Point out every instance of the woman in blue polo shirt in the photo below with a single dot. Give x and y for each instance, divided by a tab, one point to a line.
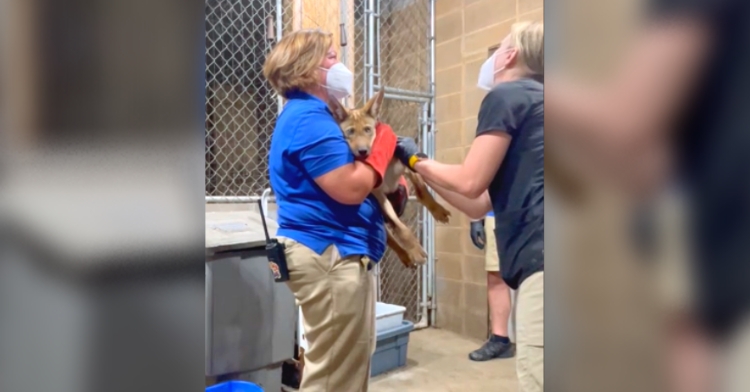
330	224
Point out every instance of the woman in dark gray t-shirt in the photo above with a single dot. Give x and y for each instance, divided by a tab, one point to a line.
504	172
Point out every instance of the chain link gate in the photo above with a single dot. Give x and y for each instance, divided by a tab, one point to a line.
388	44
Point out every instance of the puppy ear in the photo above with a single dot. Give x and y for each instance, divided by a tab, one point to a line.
373	105
339	111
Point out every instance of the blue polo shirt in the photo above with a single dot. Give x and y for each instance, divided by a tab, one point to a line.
306	144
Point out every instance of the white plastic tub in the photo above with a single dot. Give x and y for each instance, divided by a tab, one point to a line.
387	317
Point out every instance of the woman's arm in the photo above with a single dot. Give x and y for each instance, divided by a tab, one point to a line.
497	122
326	157
349	184
474	208
319	147
471	178
352	183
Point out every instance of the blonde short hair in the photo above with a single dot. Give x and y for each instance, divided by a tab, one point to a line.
293	63
528	39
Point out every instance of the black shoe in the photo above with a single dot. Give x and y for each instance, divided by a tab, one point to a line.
492	350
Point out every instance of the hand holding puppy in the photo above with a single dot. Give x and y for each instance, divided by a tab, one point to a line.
407	151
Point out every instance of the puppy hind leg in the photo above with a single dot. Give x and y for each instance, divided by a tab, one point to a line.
440	213
400	252
402	232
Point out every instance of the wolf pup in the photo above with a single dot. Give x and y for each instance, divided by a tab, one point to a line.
359	127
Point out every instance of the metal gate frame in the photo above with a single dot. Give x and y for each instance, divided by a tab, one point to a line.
425	314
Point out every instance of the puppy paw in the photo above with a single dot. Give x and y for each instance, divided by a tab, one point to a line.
440	214
417	256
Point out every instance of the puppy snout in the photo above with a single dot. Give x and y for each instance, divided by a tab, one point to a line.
363	152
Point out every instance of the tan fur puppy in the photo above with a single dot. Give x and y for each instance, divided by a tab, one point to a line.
359	130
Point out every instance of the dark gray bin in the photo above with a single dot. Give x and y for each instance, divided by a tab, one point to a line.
249	318
390	352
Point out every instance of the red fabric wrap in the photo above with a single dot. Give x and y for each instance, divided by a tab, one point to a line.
383	148
400	197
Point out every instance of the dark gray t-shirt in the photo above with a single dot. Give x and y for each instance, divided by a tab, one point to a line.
517	191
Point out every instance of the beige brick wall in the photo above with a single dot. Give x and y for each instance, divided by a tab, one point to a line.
465	30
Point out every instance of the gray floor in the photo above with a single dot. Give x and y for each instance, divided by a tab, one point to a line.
438	362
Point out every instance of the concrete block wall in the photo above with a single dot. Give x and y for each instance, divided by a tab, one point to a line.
465	30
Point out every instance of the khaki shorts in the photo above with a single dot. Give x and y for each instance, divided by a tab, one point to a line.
491	258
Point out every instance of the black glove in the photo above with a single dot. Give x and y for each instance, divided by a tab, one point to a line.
407	151
476	230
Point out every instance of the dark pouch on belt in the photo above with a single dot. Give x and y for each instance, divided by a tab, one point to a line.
275	251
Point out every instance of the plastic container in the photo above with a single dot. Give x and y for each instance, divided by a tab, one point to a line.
390	352
388	316
234	386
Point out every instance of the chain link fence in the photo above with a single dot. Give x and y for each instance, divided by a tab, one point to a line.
399	285
240	105
386	43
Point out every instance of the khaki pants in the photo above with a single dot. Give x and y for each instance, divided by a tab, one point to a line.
337	299
491	257
735	377
530	334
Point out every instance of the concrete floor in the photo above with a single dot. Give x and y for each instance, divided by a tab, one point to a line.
438	362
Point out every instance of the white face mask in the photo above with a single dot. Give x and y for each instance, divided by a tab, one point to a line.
339	81
487	72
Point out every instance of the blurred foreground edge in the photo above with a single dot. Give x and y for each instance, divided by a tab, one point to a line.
101	196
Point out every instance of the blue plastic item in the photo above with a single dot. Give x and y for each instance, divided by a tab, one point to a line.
234	386
390	352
